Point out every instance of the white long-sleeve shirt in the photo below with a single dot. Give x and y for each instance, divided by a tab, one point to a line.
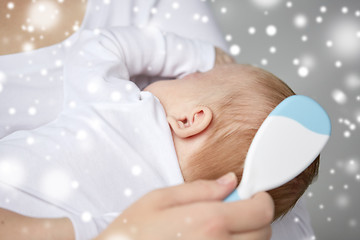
31	84
111	144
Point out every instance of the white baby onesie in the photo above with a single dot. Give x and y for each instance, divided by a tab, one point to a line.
111	144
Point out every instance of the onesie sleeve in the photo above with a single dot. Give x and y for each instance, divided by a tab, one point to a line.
104	62
148	51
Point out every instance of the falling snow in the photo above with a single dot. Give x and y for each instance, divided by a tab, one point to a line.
303	71
56	184
81	135
339	96
323	50
252	30
92	87
266	3
10	5
12	111
228	37
329	44
323	9
30	140
322	47
11	171
235	50
272	49
300	21
319	19
127	192
271	30
115	96
86	216
136	170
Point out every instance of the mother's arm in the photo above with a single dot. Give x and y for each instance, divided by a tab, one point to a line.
193	211
20	227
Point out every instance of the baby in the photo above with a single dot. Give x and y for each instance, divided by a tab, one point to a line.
214	123
112	143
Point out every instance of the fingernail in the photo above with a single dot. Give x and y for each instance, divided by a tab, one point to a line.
227	178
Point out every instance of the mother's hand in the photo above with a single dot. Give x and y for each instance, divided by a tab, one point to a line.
194	211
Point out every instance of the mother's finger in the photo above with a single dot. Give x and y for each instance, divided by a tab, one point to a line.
261	234
250	214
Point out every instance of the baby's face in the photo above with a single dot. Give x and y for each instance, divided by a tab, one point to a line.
175	95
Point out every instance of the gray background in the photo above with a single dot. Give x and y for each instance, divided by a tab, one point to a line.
333	200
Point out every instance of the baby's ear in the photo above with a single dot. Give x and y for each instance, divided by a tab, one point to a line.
191	124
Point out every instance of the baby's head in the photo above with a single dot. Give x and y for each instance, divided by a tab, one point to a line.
214	117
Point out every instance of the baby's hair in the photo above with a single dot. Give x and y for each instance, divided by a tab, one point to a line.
245	98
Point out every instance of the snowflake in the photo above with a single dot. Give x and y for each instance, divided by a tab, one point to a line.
127	192
344	10
228	37
92	87
319	19
338	64
323	9
339	96
252	30
235	50
32	111
30	140
10	5
329	43
86	216
267	3
115	96
11	171
136	170
56	184
12	111
272	49
175	5
271	30
303	71
300	21
81	135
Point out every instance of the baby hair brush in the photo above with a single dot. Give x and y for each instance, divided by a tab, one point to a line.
287	142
